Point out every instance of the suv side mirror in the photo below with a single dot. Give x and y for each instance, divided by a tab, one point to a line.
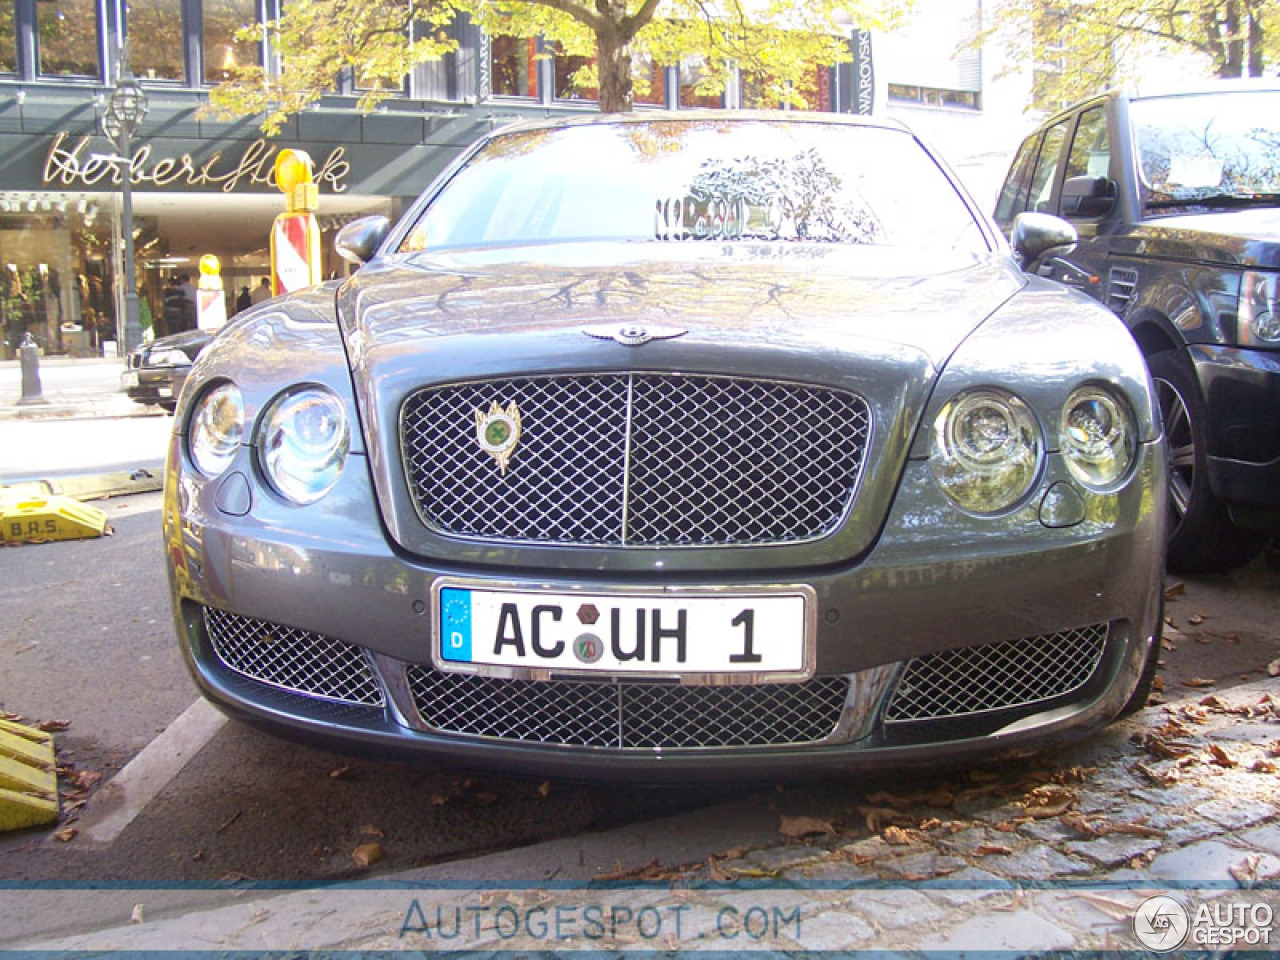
1088	197
360	239
1039	235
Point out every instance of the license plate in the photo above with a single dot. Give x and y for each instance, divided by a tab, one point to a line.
694	634
130	378
164	391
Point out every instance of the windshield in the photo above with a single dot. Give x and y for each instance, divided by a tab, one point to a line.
701	180
1211	146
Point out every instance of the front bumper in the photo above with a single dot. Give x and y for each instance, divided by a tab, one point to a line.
154	385
1242	394
936	582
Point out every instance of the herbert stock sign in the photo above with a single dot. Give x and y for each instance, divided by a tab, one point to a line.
71	163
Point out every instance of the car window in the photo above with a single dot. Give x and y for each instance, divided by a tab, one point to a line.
1040	195
1013	196
701	180
1090	148
1222	145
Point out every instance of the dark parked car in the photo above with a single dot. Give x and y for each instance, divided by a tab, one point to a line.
155	371
668	446
1177	202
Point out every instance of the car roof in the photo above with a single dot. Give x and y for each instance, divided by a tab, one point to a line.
1165	91
719	116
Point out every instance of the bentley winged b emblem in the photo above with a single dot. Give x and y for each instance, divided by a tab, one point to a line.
632	334
498	432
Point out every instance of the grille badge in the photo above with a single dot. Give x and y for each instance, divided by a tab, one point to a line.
498	432
633	335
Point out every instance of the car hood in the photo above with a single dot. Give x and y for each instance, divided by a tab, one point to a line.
189	342
763	295
1247	238
871	322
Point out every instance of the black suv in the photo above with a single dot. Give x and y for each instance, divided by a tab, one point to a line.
1177	202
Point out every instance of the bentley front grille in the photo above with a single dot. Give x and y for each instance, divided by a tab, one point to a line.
293	660
630	715
998	676
639	459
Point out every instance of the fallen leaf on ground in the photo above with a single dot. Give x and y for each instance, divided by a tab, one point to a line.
1245	872
795	828
1157	684
544	788
988	849
1175	590
339	772
1198	682
368	854
717	873
896	836
136	915
1219	756
1197	619
1273	668
1263	766
370	830
1112	908
1167	644
53	726
648	871
66	835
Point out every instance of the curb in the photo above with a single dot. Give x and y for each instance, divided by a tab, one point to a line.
147	478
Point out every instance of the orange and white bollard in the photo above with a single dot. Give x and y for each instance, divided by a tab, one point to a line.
295	235
211	304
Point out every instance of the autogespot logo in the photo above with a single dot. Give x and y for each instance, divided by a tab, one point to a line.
1161	923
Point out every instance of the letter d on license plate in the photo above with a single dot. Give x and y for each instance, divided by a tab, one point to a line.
695	634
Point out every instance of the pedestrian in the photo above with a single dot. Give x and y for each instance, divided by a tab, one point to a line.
171	314
262	291
188	301
244	301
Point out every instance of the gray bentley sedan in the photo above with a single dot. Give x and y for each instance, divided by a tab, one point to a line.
675	446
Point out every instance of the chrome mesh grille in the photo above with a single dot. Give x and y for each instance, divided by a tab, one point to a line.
638	459
633	715
997	676
291	659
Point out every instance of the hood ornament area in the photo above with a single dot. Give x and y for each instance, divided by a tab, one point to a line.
631	334
498	432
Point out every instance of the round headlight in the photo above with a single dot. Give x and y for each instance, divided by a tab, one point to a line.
986	450
303	443
1097	436
216	427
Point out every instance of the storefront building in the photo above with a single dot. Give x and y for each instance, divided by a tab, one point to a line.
202	185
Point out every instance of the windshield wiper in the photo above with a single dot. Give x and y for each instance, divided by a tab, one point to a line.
1218	200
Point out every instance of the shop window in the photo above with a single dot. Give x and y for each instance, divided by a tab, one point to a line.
692	72
514	65
935	96
816	93
155	39
649	80
68	38
222	52
570	77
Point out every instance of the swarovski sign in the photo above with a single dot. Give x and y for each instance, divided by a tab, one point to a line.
71	163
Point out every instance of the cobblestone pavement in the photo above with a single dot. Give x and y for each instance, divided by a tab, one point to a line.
1053	853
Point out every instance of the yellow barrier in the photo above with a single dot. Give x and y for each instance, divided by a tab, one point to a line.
28	777
36	519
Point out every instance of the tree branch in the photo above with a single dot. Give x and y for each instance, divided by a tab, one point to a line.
584	15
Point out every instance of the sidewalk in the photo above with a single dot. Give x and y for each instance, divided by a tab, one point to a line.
86	428
1179	802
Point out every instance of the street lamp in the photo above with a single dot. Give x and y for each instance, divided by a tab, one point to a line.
126	109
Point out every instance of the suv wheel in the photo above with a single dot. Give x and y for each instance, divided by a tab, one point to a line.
1202	538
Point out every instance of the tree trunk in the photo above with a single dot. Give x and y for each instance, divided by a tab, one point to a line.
613	67
1256	63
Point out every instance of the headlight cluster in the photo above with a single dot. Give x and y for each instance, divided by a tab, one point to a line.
167	358
1259	311
988	448
302	438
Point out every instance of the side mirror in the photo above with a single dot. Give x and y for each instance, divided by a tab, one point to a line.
360	239
1088	197
1039	235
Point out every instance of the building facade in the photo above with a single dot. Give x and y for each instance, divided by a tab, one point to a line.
202	185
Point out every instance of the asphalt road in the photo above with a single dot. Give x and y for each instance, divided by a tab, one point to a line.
88	642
